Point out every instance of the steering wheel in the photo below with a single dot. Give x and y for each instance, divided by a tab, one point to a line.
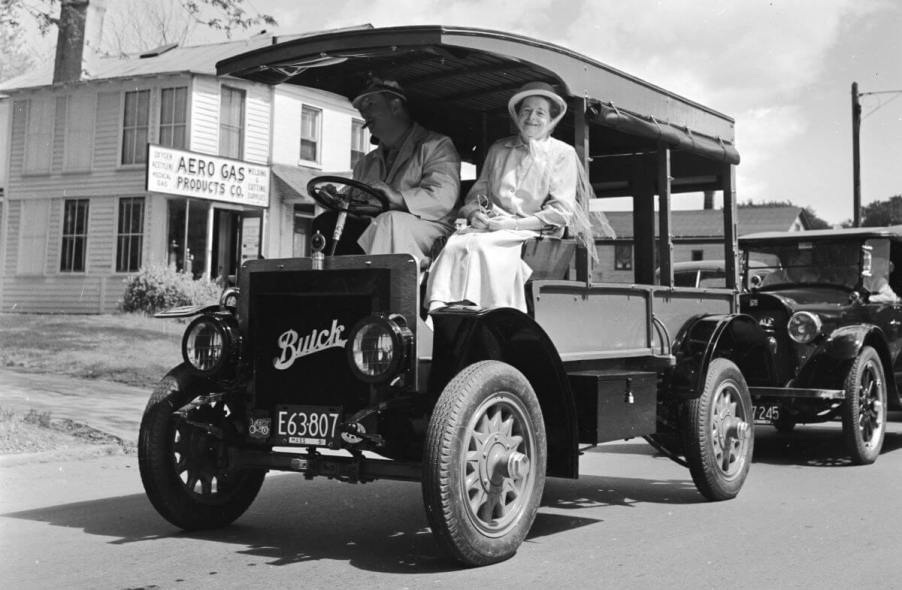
369	204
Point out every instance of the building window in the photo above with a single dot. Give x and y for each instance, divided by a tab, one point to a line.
231	123
310	134
75	235
130	237
698	255
358	141
79	143
135	126
173	116
623	257
39	136
35	216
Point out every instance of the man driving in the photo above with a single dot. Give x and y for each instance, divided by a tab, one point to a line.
417	170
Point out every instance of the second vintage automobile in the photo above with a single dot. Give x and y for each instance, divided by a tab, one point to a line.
326	367
832	316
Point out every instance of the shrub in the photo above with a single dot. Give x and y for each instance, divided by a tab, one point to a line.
155	288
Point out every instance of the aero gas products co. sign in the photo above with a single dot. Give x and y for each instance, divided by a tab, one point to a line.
189	174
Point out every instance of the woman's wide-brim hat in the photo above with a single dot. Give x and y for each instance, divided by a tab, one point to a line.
536	89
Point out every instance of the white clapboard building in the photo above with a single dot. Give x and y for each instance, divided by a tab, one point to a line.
153	159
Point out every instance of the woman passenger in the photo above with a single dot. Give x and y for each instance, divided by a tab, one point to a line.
530	184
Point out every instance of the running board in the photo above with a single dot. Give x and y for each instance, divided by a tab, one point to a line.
782	393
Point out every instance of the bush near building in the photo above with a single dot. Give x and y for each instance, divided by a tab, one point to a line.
155	288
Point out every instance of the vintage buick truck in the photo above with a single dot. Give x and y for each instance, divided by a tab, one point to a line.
326	368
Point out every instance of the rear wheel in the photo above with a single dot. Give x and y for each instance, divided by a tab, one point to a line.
484	463
864	411
720	437
184	464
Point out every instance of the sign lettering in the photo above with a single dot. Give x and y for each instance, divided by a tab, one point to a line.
179	172
293	346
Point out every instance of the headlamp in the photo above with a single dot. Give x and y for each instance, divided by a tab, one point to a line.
210	344
378	347
803	326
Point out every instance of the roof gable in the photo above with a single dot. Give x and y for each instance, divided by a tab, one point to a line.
708	223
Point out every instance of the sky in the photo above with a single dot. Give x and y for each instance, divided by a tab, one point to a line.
782	69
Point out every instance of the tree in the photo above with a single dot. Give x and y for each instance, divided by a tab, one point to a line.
813	221
219	15
882	213
14	60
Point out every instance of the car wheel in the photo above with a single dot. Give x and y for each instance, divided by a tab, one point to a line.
864	411
720	437
184	466
484	463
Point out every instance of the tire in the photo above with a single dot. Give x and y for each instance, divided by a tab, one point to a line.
719	435
484	463
183	468
864	411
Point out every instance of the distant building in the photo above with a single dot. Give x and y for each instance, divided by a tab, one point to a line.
76	216
697	235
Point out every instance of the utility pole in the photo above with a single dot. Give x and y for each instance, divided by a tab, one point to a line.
856	157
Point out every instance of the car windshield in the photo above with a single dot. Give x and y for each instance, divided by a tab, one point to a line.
816	262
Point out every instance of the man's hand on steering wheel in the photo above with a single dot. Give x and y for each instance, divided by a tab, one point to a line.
395	199
355	197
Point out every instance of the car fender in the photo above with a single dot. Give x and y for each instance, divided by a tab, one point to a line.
188	380
464	336
736	337
845	343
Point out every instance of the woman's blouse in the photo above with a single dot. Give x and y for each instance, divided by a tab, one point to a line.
523	180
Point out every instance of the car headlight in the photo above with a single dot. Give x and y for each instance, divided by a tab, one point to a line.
210	344
804	326
378	347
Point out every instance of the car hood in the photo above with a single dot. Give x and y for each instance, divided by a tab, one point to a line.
808	297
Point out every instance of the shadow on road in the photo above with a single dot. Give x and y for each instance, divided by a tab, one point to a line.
379	526
813	445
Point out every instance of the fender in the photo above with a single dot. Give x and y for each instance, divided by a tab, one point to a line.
736	337
186	311
841	348
464	336
189	380
845	343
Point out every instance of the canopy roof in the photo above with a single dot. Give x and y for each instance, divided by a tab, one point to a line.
458	81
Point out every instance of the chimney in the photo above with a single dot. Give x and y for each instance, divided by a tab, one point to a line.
709	200
78	19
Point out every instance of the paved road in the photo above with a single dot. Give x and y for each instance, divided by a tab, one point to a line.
805	519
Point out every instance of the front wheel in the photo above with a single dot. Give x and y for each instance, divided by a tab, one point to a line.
484	463
864	411
720	437
184	464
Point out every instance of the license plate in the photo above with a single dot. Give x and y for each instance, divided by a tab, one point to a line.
308	426
766	414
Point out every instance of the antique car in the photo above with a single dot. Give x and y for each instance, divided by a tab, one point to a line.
326	367
832	318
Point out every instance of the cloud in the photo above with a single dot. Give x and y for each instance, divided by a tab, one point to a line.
759	61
